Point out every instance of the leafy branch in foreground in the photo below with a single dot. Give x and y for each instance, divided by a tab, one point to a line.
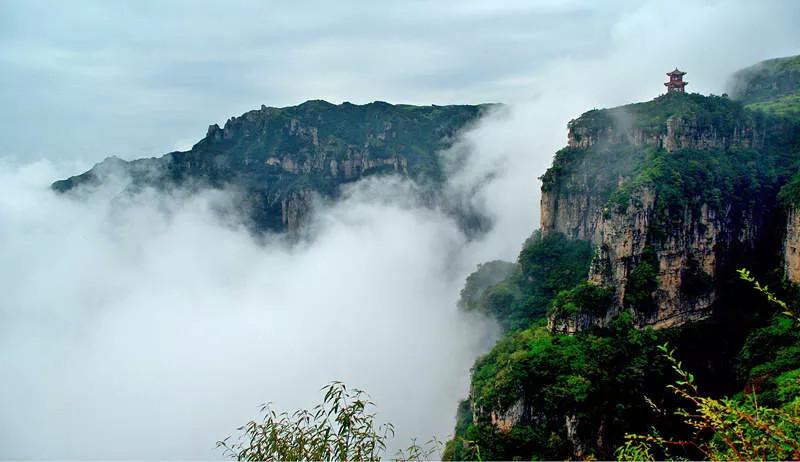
342	427
724	429
416	452
793	313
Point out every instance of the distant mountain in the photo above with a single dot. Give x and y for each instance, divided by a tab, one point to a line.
278	159
772	86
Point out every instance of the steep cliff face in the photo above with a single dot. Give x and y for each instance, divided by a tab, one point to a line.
280	159
702	245
605	147
791	247
671	193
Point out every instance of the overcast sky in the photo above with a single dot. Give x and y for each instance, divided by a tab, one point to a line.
86	79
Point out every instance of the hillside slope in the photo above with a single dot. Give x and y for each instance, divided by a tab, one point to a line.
772	86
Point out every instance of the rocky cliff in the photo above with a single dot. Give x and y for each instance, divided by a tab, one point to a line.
791	246
671	196
279	159
605	147
672	193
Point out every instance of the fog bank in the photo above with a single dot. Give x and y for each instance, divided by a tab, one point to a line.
152	330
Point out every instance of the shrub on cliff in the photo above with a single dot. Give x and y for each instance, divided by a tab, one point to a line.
546	266
761	423
595	378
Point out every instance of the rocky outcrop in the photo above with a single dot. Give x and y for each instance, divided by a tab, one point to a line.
671	121
576	214
676	133
674	195
355	164
686	261
766	82
791	246
571	424
296	207
688	248
575	428
506	420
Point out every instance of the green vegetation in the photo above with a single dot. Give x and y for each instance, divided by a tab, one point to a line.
642	282
772	86
539	395
783	106
689	179
273	156
789	194
487	275
586	297
702	111
613	381
721	429
546	266
342	427
699	111
737	155
762	423
607	162
318	129
596	378
769	361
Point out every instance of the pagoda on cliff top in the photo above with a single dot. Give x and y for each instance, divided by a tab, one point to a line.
676	82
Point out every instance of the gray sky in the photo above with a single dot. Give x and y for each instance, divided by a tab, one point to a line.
81	80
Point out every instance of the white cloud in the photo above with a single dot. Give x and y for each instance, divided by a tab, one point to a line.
151	331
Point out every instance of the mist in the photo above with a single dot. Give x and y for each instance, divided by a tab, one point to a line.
152	329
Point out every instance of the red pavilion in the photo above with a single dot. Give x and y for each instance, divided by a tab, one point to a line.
676	82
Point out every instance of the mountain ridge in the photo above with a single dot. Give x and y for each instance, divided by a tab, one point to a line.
281	158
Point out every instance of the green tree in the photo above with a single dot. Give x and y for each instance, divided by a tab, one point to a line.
342	427
730	428
546	266
721	429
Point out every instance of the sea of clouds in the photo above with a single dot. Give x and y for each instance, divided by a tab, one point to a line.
150	328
